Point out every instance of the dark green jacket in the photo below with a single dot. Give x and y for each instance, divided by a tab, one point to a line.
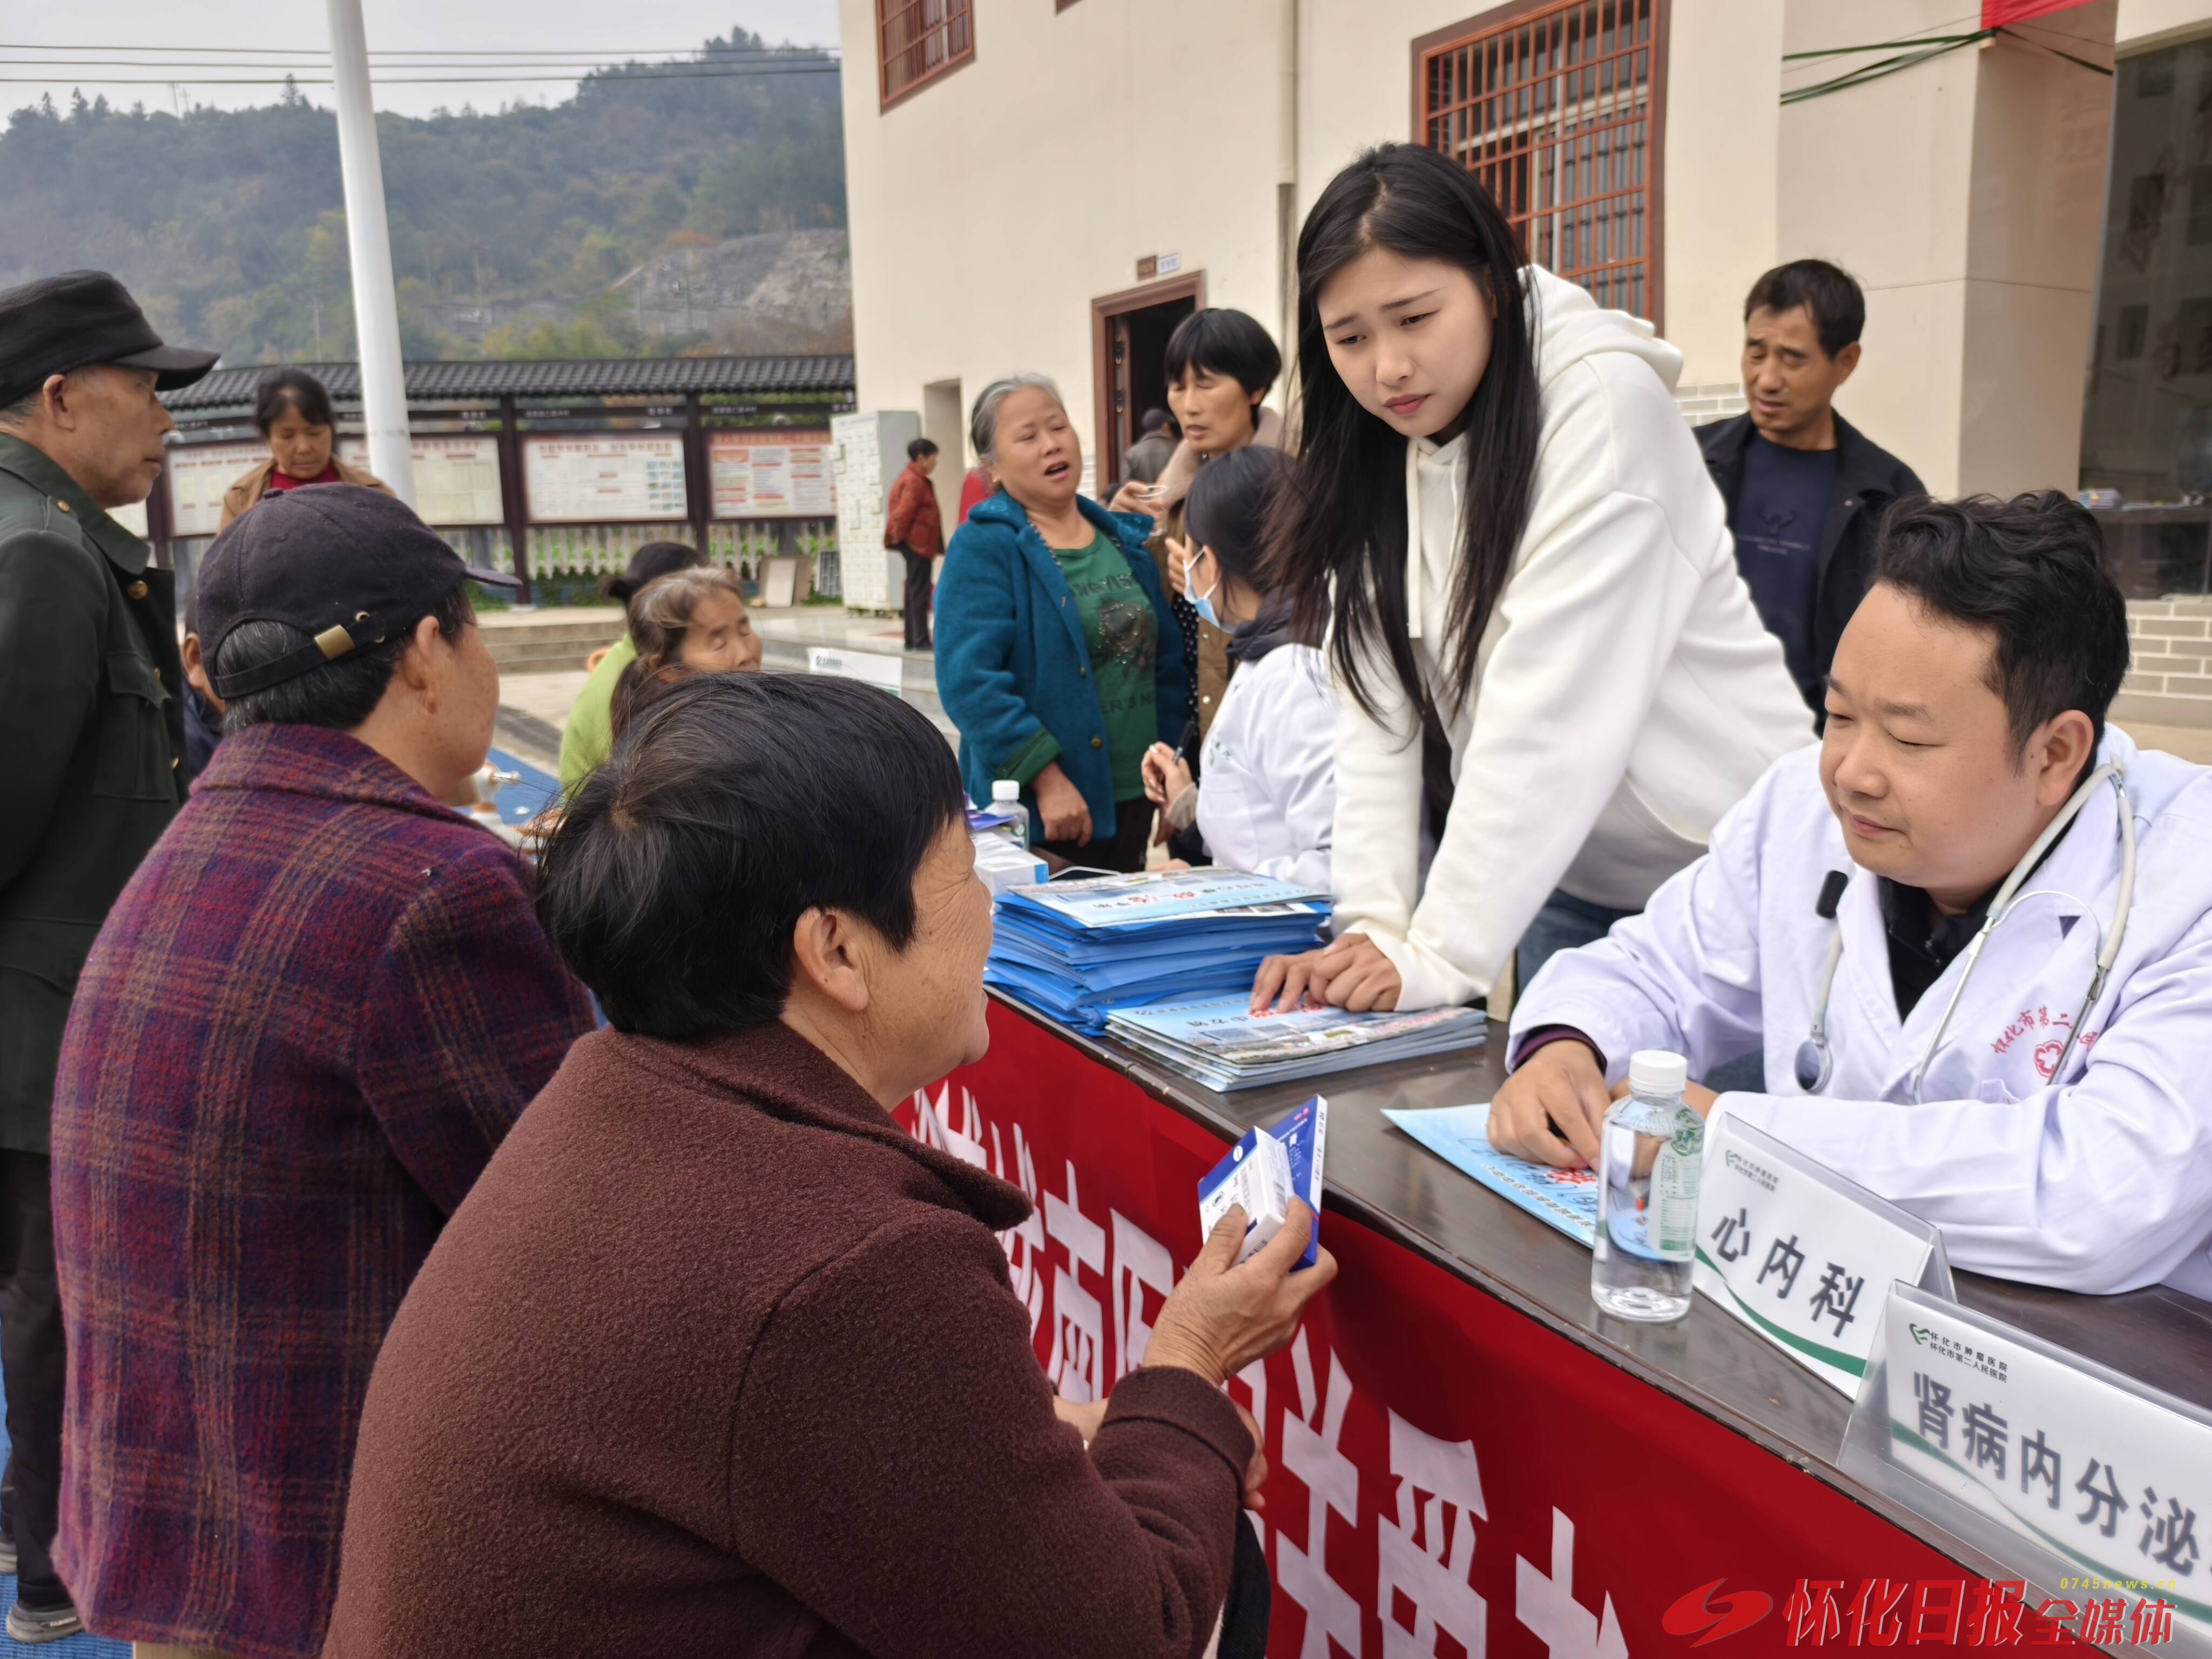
91	732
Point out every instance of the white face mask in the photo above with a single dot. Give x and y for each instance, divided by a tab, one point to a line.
1203	603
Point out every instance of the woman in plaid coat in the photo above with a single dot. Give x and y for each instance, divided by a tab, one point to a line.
314	1014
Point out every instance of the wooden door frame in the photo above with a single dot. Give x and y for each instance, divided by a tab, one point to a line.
1190	286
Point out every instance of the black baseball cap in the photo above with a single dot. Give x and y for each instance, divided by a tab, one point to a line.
349	565
73	321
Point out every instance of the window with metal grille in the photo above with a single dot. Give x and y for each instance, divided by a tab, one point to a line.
918	40
1556	108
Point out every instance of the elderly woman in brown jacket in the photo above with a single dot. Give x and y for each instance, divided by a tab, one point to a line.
292	411
716	1360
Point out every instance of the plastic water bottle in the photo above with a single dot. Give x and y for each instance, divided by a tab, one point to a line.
1649	1160
1007	797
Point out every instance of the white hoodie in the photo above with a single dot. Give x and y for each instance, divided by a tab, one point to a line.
1627	694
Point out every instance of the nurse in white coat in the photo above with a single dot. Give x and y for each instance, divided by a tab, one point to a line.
2052	1120
1268	803
1532	600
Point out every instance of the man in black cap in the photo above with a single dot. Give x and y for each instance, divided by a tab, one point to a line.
91	732
309	1020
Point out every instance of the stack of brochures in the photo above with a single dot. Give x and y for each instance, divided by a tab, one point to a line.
1078	949
1219	1042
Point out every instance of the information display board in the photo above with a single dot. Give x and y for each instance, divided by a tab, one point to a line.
590	479
864	446
456	479
771	474
200	475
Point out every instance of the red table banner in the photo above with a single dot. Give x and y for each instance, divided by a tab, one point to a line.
1448	1477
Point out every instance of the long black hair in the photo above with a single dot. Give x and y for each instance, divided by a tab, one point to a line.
1337	535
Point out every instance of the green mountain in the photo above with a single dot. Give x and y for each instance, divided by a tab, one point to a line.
229	226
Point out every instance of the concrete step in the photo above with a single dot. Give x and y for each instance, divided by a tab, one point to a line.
588	618
536	656
525	641
601	622
530	615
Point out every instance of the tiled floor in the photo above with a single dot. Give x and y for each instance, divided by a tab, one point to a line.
69	1647
545	695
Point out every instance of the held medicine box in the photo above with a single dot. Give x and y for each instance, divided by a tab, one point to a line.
1263	1172
1259	1178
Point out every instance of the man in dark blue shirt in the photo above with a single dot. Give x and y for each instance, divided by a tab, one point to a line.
1805	490
1779	511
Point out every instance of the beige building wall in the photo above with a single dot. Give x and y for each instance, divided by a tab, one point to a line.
1721	167
2146	24
1718	165
1966	194
1356	78
989	209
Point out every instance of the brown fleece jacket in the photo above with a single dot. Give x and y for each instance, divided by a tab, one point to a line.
715	1360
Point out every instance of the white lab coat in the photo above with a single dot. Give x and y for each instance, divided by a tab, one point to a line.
1268	797
2099	1180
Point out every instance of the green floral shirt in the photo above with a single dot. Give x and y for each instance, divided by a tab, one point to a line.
1124	636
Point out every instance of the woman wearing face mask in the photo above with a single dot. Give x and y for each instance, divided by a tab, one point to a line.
1270	760
692	622
292	411
1057	656
1528	583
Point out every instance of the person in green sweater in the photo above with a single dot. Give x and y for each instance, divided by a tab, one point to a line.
691	622
589	735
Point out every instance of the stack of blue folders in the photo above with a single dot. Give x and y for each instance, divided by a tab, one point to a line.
1078	950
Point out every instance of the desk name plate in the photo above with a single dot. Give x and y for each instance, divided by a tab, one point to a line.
1801	1255
2085	1483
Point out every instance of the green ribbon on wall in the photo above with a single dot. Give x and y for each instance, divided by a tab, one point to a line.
1916	52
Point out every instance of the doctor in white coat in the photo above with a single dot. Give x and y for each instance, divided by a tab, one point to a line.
2003	1021
1268	803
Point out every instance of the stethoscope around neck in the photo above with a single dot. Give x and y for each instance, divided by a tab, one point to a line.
1815	1063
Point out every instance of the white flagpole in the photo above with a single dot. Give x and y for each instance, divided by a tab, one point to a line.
368	238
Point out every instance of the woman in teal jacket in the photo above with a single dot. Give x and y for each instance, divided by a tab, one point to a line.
1057	656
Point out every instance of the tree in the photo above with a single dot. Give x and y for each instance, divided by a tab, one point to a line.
232	222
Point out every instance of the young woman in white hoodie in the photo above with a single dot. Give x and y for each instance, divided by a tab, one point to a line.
1539	648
